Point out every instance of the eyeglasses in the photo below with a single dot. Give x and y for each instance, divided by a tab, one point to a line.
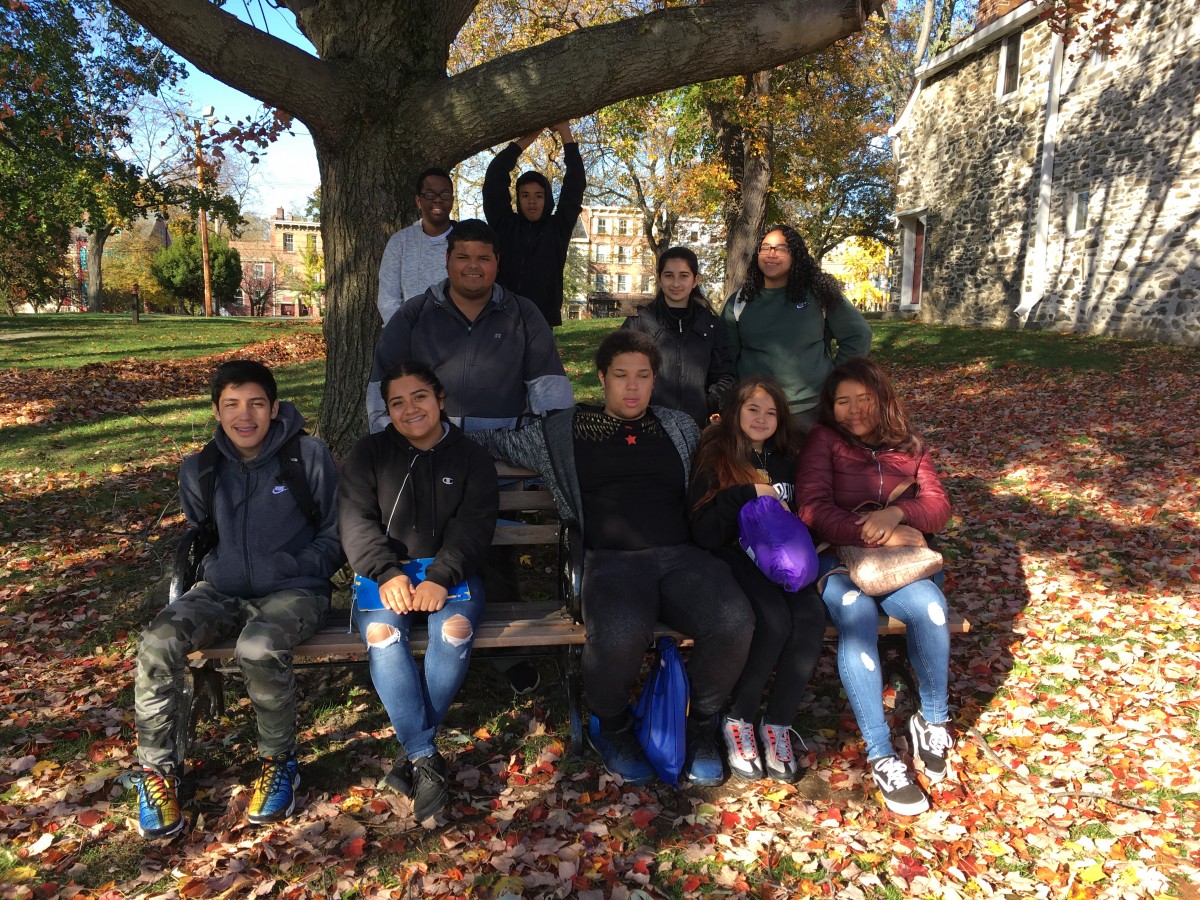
773	249
436	195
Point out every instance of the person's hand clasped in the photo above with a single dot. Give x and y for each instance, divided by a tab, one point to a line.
879	524
768	490
429	597
905	536
397	594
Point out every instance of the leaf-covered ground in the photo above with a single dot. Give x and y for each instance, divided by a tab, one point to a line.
1073	553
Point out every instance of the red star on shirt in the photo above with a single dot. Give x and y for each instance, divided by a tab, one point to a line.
631	439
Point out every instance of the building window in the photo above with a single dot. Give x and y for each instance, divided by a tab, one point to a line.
622	284
312	242
622	254
645	284
647	256
913	260
601	281
622	227
1010	65
602	253
289	243
601	225
260	270
1079	211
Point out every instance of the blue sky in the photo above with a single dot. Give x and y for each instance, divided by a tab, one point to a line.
287	173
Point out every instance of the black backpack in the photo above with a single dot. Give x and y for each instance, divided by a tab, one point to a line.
292	475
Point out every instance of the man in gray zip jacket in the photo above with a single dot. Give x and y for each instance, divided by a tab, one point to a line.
491	349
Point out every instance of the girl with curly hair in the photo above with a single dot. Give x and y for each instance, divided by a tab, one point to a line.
791	321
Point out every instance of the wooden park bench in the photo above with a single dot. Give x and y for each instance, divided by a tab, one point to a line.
549	627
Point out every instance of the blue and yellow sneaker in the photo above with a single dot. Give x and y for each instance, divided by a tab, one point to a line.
158	805
274	795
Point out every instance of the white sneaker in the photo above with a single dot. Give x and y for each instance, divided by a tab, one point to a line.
741	749
931	745
901	794
779	758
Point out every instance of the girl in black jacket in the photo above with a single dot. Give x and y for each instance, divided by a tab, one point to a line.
743	456
418	492
696	372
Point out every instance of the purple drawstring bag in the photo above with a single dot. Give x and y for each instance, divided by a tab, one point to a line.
778	542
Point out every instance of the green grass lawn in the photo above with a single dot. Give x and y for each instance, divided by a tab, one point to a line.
70	341
67	341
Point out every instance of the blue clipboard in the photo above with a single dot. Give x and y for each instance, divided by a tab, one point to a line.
365	592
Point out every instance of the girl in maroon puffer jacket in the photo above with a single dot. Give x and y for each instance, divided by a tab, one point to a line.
864	448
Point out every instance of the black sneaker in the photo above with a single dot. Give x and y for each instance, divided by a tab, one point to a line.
704	764
429	790
620	753
900	793
931	744
400	778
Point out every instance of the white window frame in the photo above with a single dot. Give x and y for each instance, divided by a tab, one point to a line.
1005	49
601	282
622	283
289	242
260	270
602	253
601	225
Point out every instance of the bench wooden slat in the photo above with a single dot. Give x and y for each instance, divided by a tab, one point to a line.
541	624
522	500
504	470
515	535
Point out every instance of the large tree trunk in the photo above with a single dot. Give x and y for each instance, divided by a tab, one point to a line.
749	155
362	205
95	268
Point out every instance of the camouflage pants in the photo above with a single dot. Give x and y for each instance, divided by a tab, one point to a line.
267	629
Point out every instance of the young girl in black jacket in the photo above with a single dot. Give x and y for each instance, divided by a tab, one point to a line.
744	456
696	372
418	490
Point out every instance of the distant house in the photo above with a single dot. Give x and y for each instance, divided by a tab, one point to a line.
620	262
1040	190
274	271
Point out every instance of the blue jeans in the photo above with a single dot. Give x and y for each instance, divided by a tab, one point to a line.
416	698
921	606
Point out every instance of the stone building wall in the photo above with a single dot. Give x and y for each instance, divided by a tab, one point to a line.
1127	136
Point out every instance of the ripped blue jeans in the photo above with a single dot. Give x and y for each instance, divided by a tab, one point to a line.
416	696
921	606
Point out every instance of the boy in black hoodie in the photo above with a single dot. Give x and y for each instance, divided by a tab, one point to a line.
266	581
535	237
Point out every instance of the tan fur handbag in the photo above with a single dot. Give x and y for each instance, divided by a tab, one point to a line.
880	570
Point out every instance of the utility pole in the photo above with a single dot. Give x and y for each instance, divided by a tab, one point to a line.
205	263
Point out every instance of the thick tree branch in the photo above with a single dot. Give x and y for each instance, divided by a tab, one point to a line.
588	69
246	58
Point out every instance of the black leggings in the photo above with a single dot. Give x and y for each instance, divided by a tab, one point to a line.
788	631
626	591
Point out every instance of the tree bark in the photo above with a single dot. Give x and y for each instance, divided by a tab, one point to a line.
750	159
95	268
381	108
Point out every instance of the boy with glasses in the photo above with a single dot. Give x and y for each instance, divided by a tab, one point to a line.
415	257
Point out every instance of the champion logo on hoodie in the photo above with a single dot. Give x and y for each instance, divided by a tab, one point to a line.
447	480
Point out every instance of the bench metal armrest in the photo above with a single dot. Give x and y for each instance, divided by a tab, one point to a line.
188	553
570	568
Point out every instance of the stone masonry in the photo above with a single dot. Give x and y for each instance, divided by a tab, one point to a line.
1122	243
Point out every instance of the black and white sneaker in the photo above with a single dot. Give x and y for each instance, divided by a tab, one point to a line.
901	794
931	745
741	749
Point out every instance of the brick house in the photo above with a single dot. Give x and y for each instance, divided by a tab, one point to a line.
274	270
1040	190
